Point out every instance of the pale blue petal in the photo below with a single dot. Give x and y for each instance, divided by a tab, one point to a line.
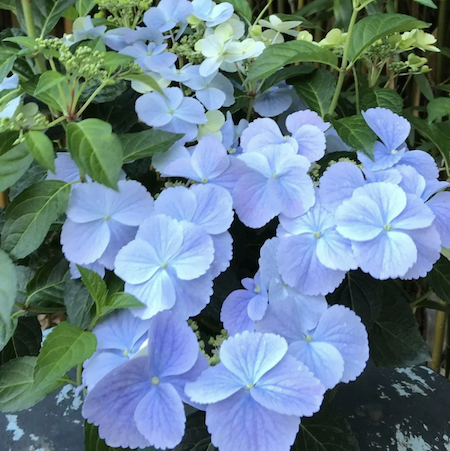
335	252
177	202
162	160
191	111
258	162
412	182
416	215
383	157
311	142
239	423
440	205
422	162
261	126
223	84
98	366
90	202
272	103
223	253
181	167
306	117
432	187
258	305
289	389
212	98
390	175
153	109
234	313
66	169
176	125
210	158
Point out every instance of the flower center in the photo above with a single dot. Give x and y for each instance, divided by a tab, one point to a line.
107	217
126	352
164	266
170	111
308	338
231	150
250	386
387	227
317	235
275	175
155	380
393	152
257	289
204	180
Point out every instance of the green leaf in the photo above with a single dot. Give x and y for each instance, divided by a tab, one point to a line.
84	7
17	388
285	74
355	132
35	173
395	339
438	108
120	301
41	147
30	215
48	80
24	41
78	303
304	23
13	164
146	143
107	94
424	86
439	279
7	140
278	55
371	28
6	67
51	97
96	286
46	288
327	430
428	3
113	60
96	150
343	10
317	90
8	292
384	98
362	294
8	5
65	347
242	7
26	340
146	79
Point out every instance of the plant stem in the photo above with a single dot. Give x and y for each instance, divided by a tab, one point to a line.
31	309
344	68
261	14
436	356
250	108
79	373
418	300
91	98
68	380
355	77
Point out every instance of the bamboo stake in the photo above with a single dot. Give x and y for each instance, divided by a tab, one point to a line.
436	356
3	200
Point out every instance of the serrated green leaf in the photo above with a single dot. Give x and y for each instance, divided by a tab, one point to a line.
394	339
51	97
120	301
41	148
8	292
96	286
78	302
438	108
384	98
46	288
17	388
65	347
96	150
371	28
30	215
47	81
146	143
317	90
439	279
34	174
279	55
355	132
13	164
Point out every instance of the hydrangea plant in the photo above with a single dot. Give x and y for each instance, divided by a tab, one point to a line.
230	216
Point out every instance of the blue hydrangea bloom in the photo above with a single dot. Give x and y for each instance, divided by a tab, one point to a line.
172	73
168	14
172	112
83	28
140	403
119	38
277	181
162	160
334	142
231	134
210	13
422	162
440	206
151	57
379	219
208	163
100	221
208	206
392	131
335	349
120	336
256	395
274	101
166	267
316	257
242	308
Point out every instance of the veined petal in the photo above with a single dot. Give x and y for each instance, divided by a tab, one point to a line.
177	202
191	111
335	252
234	313
99	365
311	142
416	215
223	253
209	159
440	205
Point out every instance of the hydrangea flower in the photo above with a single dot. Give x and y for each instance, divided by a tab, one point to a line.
242	308
440	206
166	266
213	126
256	395
140	403
335	349
276	100
208	206
280	26
209	163
211	13
151	56
168	14
392	131
231	134
316	257
379	219
100	221
276	182
307	129
83	28
120	337
172	112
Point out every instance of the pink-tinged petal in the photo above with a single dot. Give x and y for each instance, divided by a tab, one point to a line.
210	158
160	417
290	389
113	401
440	205
311	142
84	243
342	328
388	256
98	366
234	313
173	347
223	253
250	355
177	202
214	385
239	423
322	359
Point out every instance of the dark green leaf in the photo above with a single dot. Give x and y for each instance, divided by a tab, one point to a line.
24	275
25	341
47	81
17	388
395	339
7	140
439	279
384	98
96	150
65	347
343	10
8	292
196	432
242	7
278	55
24	41
51	97
107	94
96	286
35	173
317	90
13	164
30	215
146	143
41	148
6	67
428	3
78	303
327	430
424	86
438	108
355	132
8	4
120	301
371	28
285	74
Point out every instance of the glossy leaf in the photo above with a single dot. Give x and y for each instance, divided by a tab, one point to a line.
78	302
287	73
41	147
120	301
438	108
439	279
48	80
428	3
6	67
7	140
384	98
13	164
30	215
8	292
96	286
8	4
84	7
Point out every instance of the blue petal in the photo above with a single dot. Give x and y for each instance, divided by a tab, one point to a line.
416	215
412	182
383	157
177	202
98	366
234	313
223	253
422	162
311	142
440	205
209	159
272	103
